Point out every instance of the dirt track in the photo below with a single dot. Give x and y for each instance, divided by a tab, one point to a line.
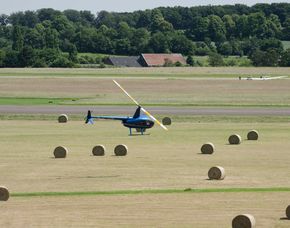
129	110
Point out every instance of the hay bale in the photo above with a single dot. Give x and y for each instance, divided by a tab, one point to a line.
235	139
244	221
4	193
121	150
166	121
288	212
216	173
99	150
207	148
62	118
60	152
253	135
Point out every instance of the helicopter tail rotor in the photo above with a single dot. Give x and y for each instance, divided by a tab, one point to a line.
89	118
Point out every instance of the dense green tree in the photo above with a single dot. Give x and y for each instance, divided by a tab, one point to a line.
34	39
257	24
180	44
83	39
123	47
190	60
105	18
230	29
202	49
216	28
173	16
274	26
4	43
158	23
51	39
230	26
236	47
265	58
17	37
242	28
271	44
286	30
62	61
248	46
11	58
199	29
140	41
225	48
159	43
144	19
2	57
72	15
72	51
87	17
64	27
27	56
48	55
102	44
17	19
124	31
285	59
215	59
47	14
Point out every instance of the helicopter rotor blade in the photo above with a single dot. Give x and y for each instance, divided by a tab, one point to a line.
126	93
146	112
153	118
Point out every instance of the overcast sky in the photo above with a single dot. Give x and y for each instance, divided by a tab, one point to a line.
9	6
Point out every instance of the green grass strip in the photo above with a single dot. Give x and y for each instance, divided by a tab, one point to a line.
152	191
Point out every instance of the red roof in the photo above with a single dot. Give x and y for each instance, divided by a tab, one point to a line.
159	59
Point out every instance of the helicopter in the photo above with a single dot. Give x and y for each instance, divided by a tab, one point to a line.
138	121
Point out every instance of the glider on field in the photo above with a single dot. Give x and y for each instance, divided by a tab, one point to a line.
137	121
262	78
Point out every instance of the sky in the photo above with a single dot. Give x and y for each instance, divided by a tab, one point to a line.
10	6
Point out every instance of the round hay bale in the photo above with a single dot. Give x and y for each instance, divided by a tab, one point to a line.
216	173
4	193
62	118
121	150
288	212
253	135
99	150
166	121
244	221
207	148
235	139
60	152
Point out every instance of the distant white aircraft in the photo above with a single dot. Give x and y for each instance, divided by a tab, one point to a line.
262	78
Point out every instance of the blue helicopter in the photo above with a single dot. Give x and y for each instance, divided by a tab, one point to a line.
137	121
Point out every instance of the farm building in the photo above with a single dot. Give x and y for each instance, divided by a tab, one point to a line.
130	61
154	60
145	60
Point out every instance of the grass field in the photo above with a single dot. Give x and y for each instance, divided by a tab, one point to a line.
161	210
155	72
162	182
168	162
148	91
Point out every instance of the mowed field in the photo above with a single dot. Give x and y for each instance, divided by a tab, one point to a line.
163	181
154	86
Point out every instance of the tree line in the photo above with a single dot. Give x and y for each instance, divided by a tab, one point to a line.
52	38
